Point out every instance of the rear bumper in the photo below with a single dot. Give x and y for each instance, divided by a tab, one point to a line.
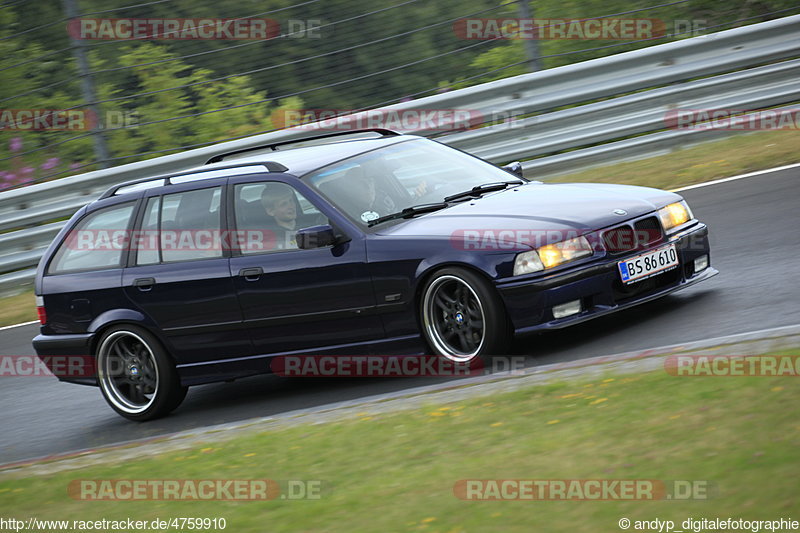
598	287
52	348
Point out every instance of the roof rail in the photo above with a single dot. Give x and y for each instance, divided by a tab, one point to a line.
174	178
273	146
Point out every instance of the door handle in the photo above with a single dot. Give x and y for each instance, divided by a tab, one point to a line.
251	274
144	284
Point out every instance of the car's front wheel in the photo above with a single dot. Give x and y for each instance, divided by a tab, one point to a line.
136	375
463	317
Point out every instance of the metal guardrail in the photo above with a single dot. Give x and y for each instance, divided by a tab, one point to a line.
748	67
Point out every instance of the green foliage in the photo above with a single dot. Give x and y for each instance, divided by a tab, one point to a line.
164	94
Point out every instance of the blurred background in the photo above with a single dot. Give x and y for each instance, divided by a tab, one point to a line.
158	96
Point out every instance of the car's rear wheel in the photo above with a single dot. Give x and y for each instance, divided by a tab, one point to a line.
136	375
463	317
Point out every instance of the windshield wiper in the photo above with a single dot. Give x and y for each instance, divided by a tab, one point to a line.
482	189
409	212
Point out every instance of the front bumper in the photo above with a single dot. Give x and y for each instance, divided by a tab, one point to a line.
529	303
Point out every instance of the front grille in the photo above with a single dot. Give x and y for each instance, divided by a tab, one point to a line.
627	238
619	240
648	230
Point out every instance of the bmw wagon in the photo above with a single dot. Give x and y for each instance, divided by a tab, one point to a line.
367	243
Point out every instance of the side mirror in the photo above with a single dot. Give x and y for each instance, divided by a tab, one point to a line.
515	168
316	237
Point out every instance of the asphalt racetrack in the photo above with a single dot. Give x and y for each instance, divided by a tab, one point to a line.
755	245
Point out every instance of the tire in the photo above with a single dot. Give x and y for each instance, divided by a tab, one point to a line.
136	375
462	317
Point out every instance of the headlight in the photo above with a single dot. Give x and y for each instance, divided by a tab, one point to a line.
674	215
527	262
561	252
552	255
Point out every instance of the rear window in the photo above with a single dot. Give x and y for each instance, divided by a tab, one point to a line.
188	225
96	242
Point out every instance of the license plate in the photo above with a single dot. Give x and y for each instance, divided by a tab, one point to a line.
648	264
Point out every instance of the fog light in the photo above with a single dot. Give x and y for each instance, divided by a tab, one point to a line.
701	263
567	309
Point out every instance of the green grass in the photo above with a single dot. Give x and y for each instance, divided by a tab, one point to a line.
17	308
705	162
396	472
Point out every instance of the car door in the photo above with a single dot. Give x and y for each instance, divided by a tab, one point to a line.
297	299
180	277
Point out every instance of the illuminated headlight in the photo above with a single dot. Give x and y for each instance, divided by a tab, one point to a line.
674	215
552	255
555	254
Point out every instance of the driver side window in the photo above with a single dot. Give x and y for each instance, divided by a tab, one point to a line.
268	215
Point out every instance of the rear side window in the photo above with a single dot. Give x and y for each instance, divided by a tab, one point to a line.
187	226
96	242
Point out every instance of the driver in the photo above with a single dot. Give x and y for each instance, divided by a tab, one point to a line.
280	204
370	196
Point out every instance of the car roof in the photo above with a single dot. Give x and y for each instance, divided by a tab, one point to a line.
302	160
296	161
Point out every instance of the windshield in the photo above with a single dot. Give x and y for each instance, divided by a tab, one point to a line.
390	179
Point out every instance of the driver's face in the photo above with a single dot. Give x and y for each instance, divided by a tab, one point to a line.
283	209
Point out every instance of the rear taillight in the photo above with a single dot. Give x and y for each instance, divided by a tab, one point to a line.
40	310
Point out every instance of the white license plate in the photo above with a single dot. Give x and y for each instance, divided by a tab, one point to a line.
648	264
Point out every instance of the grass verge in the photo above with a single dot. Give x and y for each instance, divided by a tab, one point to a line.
705	162
396	472
18	308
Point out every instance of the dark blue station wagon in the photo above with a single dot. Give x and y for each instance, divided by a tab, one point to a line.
375	243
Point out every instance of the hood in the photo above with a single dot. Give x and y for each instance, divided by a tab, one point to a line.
574	207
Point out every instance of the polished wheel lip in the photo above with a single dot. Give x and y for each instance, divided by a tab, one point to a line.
104	374
439	343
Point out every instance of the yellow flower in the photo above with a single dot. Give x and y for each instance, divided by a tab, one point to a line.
367	418
674	417
496	424
249	455
437	413
428	520
599	400
553	421
609	380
